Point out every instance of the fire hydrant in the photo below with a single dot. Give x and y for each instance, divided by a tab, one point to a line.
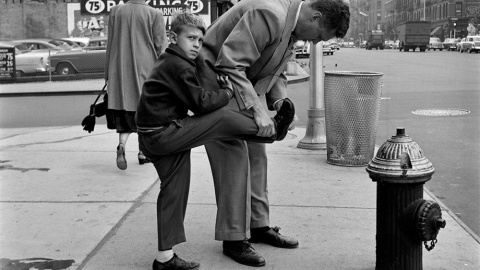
404	218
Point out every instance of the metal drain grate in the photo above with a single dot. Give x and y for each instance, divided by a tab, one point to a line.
440	112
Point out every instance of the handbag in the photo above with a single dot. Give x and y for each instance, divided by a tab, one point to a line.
97	109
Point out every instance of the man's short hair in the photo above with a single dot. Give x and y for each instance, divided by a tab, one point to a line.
336	15
184	19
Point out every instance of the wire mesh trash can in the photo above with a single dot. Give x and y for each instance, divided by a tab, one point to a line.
352	105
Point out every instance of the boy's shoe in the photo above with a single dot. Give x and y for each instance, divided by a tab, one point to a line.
284	118
175	263
272	237
243	253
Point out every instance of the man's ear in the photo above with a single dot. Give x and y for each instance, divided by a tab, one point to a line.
317	15
173	37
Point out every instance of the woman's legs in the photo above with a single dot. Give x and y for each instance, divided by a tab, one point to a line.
122	141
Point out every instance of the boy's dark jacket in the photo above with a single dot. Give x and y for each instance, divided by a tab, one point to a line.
173	88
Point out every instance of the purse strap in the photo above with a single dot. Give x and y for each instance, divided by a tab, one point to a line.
99	95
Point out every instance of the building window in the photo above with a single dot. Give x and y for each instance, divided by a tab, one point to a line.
458	9
379	16
379	4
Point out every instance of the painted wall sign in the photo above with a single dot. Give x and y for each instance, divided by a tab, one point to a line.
90	17
96	7
472	10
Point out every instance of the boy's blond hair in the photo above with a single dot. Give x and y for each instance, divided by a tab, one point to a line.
185	19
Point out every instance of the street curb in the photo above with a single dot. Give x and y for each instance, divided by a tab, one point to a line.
452	214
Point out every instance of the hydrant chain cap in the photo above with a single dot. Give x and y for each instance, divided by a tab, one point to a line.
400	160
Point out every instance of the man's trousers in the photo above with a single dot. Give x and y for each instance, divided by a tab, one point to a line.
239	170
169	151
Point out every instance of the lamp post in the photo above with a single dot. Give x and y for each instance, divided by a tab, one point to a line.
315	138
454	25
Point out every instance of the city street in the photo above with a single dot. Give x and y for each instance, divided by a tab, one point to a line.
425	80
411	81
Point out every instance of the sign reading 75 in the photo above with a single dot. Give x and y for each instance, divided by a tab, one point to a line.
95	7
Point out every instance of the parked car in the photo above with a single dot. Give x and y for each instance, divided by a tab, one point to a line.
435	44
44	44
389	44
83	61
334	43
81	41
396	44
29	63
97	43
21	47
469	44
302	49
65	42
450	44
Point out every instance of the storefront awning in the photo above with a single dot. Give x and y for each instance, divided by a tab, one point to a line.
435	30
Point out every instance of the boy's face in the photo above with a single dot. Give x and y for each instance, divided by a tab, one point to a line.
190	40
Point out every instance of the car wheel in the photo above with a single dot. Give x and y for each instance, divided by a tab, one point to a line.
65	69
18	74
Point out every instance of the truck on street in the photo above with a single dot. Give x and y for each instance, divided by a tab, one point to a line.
413	34
375	39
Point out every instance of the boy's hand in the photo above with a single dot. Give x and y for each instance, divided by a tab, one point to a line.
224	82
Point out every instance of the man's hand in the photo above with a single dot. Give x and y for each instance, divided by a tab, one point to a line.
266	128
292	126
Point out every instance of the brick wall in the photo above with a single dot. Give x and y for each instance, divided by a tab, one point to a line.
33	19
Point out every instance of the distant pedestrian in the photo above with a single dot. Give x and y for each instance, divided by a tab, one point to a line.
136	37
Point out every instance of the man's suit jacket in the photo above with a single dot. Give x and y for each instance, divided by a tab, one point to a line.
250	44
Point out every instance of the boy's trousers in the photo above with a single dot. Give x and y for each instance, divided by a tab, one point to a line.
169	150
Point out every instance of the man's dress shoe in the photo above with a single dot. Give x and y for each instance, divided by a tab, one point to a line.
272	237
284	118
243	253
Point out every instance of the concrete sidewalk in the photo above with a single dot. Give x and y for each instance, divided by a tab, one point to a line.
62	198
65	205
88	86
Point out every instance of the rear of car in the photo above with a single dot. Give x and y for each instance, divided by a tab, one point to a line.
469	44
435	44
450	44
302	49
32	63
28	63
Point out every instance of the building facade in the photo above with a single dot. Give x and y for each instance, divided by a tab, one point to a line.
20	19
448	18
